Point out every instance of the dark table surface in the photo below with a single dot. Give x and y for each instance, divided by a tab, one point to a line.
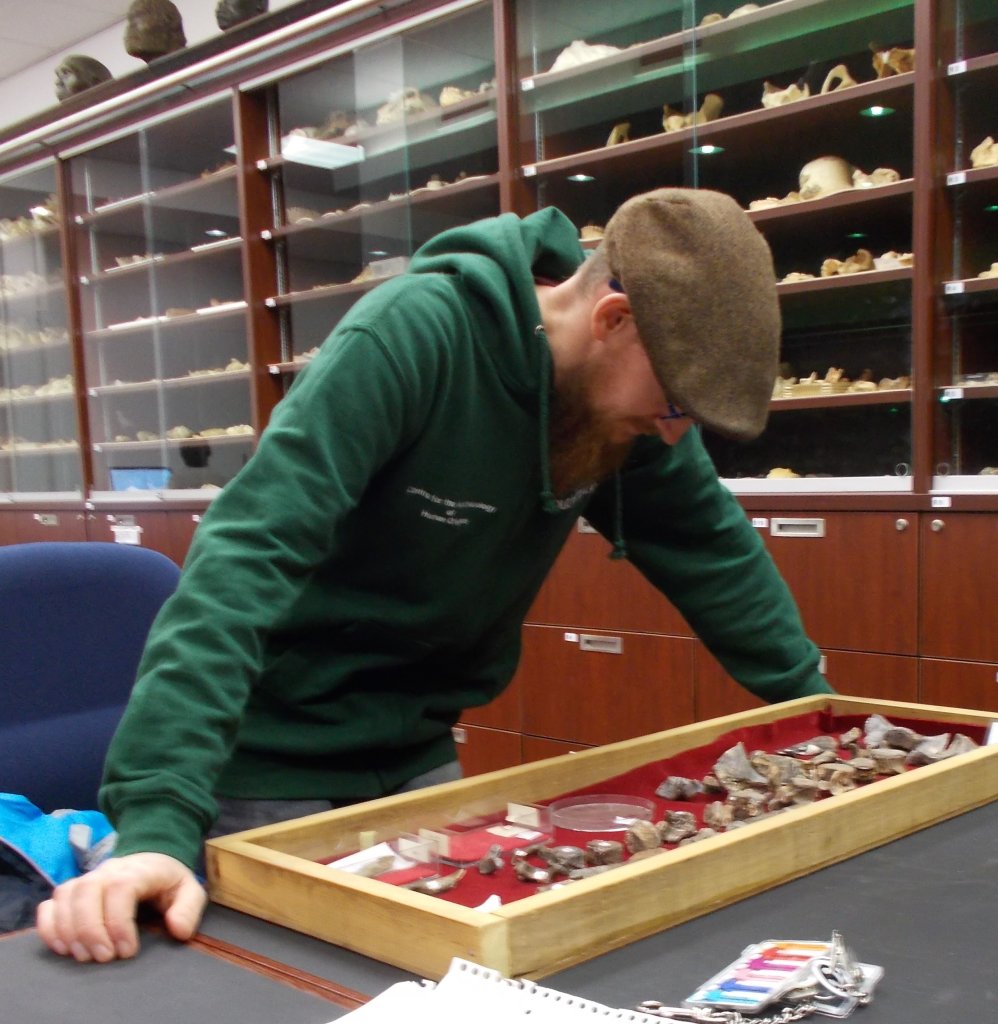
923	907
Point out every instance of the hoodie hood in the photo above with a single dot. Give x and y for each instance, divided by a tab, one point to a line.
497	260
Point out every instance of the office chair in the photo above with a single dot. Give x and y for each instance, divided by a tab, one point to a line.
73	621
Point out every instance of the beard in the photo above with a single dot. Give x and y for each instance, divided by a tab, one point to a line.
582	453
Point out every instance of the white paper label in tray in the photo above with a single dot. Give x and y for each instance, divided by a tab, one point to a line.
523	814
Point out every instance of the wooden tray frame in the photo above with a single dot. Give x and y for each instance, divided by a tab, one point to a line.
272	873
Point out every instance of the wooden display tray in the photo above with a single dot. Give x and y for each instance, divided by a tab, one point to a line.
273	872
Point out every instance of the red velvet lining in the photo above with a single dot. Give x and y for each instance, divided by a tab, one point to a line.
695	763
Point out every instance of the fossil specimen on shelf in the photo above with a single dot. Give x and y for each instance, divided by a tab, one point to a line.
77	73
153	28
233	12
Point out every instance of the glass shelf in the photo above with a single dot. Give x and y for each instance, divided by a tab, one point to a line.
162	302
39	439
415	120
965	441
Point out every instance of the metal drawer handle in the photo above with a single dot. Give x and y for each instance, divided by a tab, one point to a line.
797	527
601	644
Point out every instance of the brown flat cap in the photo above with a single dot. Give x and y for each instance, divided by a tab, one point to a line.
701	284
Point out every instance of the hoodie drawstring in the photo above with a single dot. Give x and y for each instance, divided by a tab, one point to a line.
619	544
548	501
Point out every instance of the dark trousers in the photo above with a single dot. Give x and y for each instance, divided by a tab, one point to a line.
237	815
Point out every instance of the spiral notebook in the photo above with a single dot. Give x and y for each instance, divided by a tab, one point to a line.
469	991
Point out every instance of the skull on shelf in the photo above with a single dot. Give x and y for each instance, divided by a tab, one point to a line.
153	29
234	12
77	73
825	176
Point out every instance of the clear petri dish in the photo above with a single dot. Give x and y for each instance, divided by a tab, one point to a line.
600	812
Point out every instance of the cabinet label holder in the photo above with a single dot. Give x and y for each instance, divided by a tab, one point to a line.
601	644
797	527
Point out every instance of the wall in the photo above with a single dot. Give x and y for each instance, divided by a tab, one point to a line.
32	90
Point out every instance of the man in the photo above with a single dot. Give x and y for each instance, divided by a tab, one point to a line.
365	577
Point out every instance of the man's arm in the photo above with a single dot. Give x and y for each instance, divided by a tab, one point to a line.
689	536
253	554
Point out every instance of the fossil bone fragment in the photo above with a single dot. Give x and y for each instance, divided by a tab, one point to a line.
879	176
718	815
710	110
404	102
701	834
580	52
642	835
837	78
675	787
604	851
734	770
896	60
619	133
985	154
860	261
436	883
774	96
677	825
527	872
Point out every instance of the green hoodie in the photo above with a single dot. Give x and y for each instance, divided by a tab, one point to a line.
364	578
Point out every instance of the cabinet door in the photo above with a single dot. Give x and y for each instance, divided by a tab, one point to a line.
144	529
959	586
960	684
182	528
853	575
599	687
39	427
485	750
588	589
7	528
505	712
367	155
883	676
63	524
716	692
162	307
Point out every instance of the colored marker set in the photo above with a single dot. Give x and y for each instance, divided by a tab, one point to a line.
764	973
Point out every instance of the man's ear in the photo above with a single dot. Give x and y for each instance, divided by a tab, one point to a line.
611	313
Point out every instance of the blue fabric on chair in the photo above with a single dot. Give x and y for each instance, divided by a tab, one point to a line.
73	621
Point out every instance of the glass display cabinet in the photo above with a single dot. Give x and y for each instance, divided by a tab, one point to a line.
159	251
211	247
39	439
803	111
966	366
370	153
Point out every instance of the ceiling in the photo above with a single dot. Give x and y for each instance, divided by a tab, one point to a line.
32	30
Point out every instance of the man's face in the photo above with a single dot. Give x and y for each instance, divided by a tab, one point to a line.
601	406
